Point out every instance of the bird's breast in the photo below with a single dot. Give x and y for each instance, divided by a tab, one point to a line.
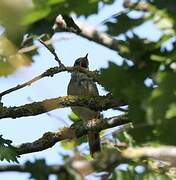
81	84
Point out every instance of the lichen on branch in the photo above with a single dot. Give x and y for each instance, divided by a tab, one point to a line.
77	130
98	103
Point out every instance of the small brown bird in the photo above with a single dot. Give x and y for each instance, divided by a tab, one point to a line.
81	84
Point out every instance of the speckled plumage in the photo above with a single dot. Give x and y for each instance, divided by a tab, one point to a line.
81	84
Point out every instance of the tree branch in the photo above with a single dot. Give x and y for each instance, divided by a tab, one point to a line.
30	48
53	169
18	168
77	130
97	103
139	6
92	34
88	32
104	162
50	73
107	160
101	38
164	153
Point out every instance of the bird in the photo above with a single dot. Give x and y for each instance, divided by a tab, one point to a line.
81	84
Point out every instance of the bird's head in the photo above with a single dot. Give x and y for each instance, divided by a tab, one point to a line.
82	62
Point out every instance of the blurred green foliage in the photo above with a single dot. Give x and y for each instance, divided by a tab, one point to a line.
146	80
151	105
131	173
7	151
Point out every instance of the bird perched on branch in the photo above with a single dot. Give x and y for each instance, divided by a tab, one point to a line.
81	84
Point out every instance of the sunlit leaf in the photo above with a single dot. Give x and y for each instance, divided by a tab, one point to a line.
68	144
131	173
52	2
162	98
7	151
35	15
10	59
73	117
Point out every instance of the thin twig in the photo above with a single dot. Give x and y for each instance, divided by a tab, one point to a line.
50	73
52	51
114	16
35	47
28	83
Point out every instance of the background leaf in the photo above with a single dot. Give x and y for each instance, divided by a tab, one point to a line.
7	151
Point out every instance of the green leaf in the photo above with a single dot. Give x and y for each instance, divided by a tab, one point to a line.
144	134
155	134
36	15
43	26
124	137
9	65
5	67
107	1
53	2
127	85
119	27
131	173
69	174
171	112
85	7
7	151
169	6
10	59
68	144
162	98
154	176
39	3
38	169
73	117
139	51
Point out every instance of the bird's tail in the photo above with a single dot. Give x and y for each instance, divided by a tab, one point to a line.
94	143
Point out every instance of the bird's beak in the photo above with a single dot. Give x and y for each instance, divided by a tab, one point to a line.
85	61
